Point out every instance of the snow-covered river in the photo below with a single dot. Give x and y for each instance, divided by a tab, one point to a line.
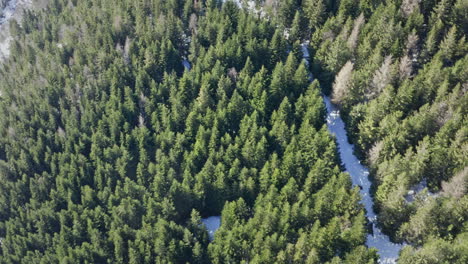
388	251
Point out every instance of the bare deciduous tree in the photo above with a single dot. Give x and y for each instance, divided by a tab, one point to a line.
71	61
444	113
141	121
457	186
117	23
406	68
408	6
193	24
328	35
61	132
464	88
272	4
11	132
119	48
126	50
232	73
382	77
353	37
412	43
341	84
142	101
374	152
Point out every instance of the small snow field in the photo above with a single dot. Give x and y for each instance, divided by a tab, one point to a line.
186	64
8	12
212	224
419	190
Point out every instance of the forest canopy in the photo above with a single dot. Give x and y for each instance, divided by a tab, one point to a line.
123	123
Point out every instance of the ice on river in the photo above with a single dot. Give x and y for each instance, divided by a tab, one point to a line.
212	224
387	250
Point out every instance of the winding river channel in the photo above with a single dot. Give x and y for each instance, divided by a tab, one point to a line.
388	251
359	174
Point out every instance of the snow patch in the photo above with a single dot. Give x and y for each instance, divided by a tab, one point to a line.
419	189
186	64
5	47
250	5
212	224
305	50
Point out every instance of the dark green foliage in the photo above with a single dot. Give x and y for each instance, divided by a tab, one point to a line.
111	152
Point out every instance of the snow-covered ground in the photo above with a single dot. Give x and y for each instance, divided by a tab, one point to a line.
5	47
250	6
13	6
212	224
5	38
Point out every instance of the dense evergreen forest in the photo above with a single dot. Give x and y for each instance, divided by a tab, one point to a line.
111	151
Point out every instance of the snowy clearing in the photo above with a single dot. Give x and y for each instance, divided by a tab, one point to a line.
212	224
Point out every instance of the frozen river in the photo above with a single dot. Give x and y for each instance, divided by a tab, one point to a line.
388	251
359	174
